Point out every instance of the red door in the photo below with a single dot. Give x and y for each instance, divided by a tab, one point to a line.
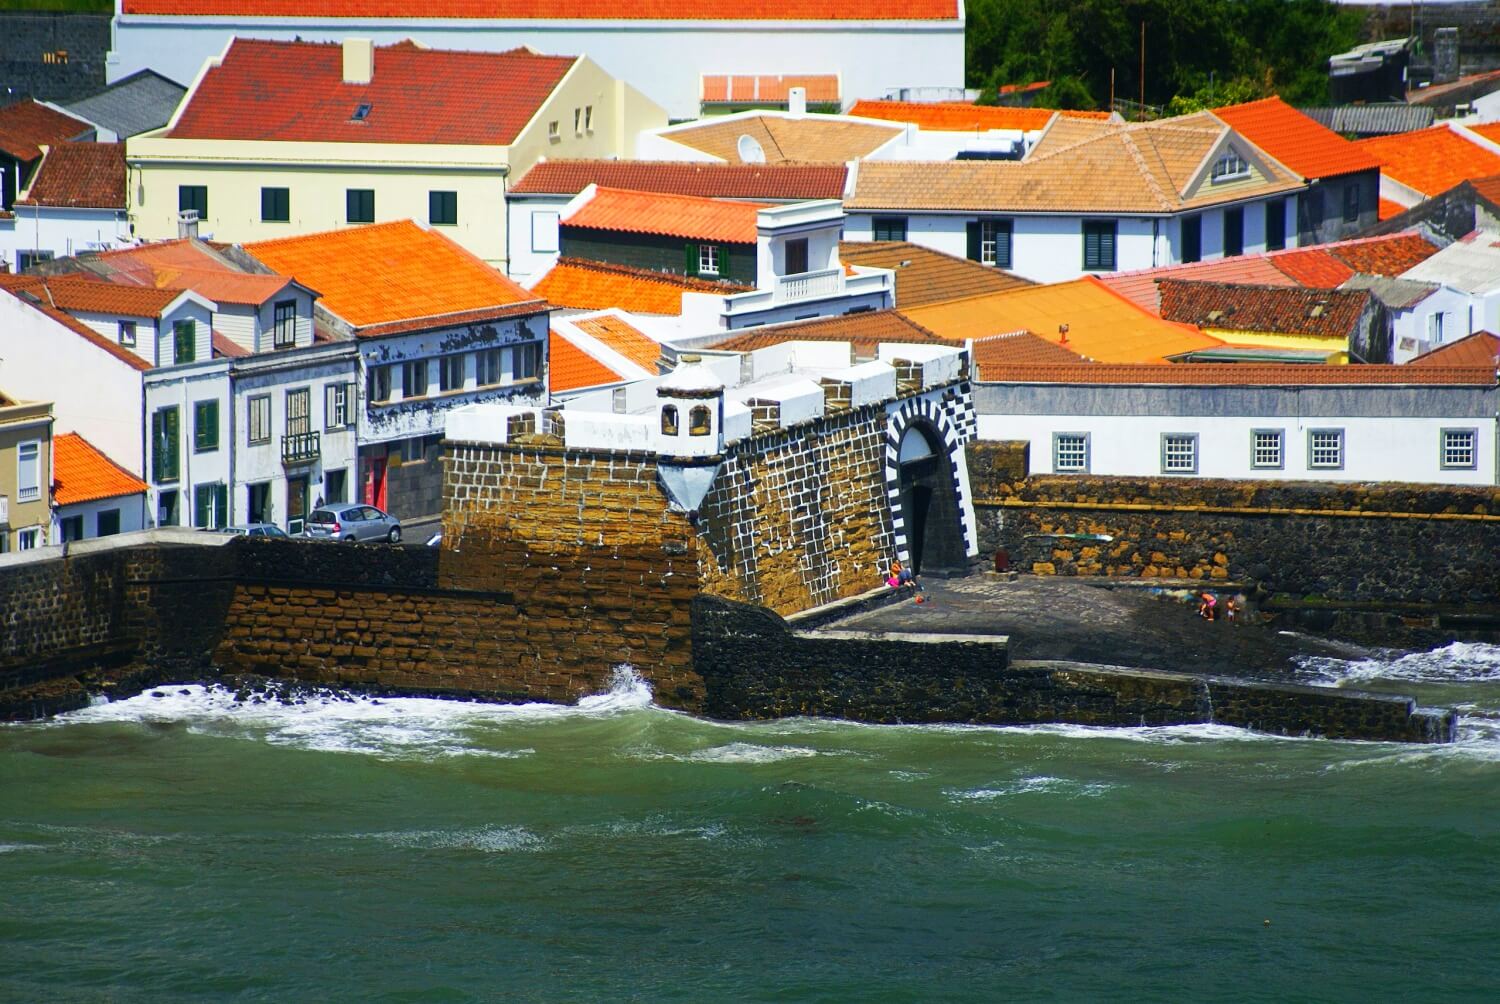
374	486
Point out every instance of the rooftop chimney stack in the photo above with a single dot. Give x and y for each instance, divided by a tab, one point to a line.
359	60
187	223
1445	56
796	100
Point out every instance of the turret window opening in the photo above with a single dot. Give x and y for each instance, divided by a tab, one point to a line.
669	420
700	421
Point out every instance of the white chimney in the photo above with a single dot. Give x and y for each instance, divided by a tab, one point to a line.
359	60
796	100
187	223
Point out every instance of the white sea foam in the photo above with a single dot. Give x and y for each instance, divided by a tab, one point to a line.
13	848
749	753
490	839
1041	784
1460	662
394	728
1166	735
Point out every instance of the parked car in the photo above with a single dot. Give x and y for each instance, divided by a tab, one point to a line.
351	522
256	530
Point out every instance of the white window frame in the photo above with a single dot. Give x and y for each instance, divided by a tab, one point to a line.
1173	445
127	333
708	259
259	420
528	353
1085	442
489	367
29	538
379	379
1435	327
1256	461
1447	449
449	368
33	491
338	405
1339	445
1229	166
284	324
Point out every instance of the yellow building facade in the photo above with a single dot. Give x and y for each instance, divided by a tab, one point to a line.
459	190
25	473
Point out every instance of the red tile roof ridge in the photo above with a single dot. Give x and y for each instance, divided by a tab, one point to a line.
820	180
1482	348
381	328
692	216
1300	144
687	282
1240	374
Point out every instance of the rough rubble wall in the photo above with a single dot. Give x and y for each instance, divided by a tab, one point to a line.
1385	542
601	572
799	517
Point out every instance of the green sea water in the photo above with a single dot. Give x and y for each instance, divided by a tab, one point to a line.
183	847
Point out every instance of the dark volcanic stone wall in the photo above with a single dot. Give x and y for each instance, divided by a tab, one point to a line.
1384	542
29	63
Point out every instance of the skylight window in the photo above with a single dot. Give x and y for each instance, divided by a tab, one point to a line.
361	113
1230	167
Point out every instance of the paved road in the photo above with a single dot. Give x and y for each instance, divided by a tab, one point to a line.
1070	619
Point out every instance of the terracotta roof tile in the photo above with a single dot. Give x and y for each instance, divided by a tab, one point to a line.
1297	141
1022	348
1314	268
1077	165
80	175
620	335
670	215
1488	188
864	331
226	347
1479	349
80	473
926	276
1489	130
959	116
788	182
1243	374
571	368
84	294
589	10
1390	209
15	285
812	139
1390	255
592	285
1431	161
26	126
394	273
295	92
185	263
1230	307
1101	324
721	89
1140	287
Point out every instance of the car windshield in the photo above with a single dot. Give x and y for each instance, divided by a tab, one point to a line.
274	531
322	516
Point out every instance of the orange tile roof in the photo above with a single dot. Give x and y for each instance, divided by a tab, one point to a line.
1022	348
185	263
80	175
1297	141
1388	255
709	180
1489	130
587	10
1432	160
811	139
927	276
959	116
620	335
1479	349
80	473
863	331
1077	166
15	285
1140	287
1243	374
593	285
84	294
394	273
415	95
822	88
1390	209
1102	325
26	126
571	368
670	215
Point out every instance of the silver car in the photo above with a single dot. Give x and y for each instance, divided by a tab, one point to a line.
255	530
351	522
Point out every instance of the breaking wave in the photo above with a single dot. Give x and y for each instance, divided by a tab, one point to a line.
1460	662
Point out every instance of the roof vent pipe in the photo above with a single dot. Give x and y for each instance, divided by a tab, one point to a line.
359	60
796	100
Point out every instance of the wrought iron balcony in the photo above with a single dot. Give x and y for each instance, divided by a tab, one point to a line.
300	448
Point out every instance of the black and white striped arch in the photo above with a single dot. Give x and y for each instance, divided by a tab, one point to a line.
951	413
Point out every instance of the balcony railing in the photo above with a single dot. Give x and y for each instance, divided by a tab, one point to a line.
809	285
300	448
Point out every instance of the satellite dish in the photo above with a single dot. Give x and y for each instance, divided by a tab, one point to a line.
750	150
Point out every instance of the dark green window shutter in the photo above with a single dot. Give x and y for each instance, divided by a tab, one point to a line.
221	498
205	426
972	230
200	505
164	445
158	444
724	255
184	341
1003	231
690	259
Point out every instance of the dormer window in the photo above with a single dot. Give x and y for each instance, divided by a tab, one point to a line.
1229	167
360	113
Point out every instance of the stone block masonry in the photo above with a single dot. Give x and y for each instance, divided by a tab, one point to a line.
1384	542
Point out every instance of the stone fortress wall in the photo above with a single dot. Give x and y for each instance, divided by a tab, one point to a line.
1358	543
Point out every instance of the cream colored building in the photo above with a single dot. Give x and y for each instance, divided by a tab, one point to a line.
278	139
25	473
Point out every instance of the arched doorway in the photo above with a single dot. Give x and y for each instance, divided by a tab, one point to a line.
928	497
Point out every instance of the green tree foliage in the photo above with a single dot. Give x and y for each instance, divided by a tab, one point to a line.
1196	50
